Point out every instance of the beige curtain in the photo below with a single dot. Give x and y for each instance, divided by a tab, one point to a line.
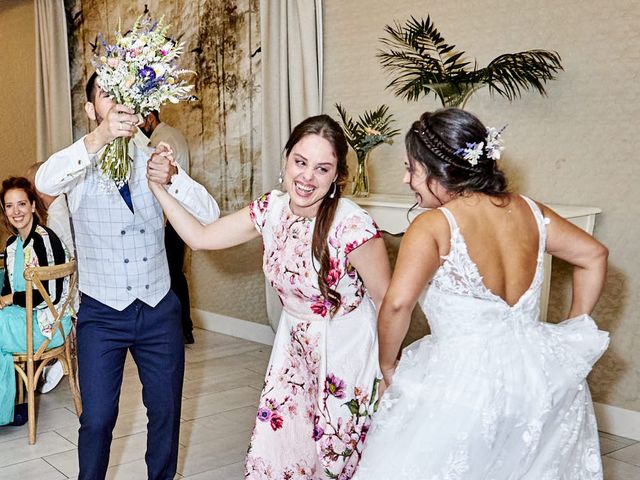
291	38
53	91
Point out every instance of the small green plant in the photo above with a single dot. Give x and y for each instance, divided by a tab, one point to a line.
422	63
372	128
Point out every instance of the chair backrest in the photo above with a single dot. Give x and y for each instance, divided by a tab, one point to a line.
35	276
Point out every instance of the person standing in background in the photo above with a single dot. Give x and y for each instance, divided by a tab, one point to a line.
158	131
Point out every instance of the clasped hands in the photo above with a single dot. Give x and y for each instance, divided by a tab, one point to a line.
121	121
161	166
6	300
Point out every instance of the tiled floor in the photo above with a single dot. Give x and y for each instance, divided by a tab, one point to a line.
223	378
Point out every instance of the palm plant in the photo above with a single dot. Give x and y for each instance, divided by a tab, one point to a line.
423	63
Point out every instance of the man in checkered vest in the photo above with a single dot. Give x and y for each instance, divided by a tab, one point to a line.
126	303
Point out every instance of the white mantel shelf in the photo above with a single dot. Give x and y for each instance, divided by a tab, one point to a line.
390	213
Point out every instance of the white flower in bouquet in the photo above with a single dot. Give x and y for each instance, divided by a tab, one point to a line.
140	72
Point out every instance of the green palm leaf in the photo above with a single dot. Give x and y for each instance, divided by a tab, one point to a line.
421	63
510	73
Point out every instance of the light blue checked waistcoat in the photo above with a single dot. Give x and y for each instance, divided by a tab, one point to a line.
121	255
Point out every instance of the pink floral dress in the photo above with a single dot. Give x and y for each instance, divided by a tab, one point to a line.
321	384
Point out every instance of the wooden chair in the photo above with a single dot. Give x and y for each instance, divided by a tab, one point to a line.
25	362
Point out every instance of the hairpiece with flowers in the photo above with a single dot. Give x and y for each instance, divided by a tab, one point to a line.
492	147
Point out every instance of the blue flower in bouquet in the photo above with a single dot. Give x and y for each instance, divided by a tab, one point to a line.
147	74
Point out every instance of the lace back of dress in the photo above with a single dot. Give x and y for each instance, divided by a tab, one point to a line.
458	274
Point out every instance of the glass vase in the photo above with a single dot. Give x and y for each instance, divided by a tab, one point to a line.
361	179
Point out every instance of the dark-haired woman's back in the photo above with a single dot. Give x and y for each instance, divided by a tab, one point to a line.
492	393
502	239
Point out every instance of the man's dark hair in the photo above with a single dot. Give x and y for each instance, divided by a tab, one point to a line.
91	87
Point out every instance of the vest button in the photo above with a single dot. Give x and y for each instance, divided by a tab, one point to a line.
129	288
126	260
144	259
142	230
122	232
147	287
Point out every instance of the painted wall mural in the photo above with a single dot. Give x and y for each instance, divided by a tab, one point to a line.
222	45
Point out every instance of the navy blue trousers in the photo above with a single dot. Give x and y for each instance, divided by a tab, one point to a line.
153	335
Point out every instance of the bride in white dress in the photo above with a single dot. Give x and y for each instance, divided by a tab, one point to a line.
493	393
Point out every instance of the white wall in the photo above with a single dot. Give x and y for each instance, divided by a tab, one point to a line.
578	146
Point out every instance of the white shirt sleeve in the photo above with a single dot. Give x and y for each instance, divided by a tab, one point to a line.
194	197
64	169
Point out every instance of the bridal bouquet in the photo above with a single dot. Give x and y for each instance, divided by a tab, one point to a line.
140	72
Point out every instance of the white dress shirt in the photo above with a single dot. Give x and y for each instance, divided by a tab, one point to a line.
121	254
65	170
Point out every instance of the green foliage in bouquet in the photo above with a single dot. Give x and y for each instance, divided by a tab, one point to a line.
422	63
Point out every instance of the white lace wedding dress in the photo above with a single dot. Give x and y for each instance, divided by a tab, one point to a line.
492	393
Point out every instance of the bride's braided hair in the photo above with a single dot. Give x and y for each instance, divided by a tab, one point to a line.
434	141
441	149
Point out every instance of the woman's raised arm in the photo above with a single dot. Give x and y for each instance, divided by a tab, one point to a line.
225	232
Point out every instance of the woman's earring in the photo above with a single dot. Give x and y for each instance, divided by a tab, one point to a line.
280	177
333	190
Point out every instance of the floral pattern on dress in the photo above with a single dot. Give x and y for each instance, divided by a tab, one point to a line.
340	440
290	268
315	408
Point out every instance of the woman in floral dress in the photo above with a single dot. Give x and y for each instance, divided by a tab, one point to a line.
325	258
